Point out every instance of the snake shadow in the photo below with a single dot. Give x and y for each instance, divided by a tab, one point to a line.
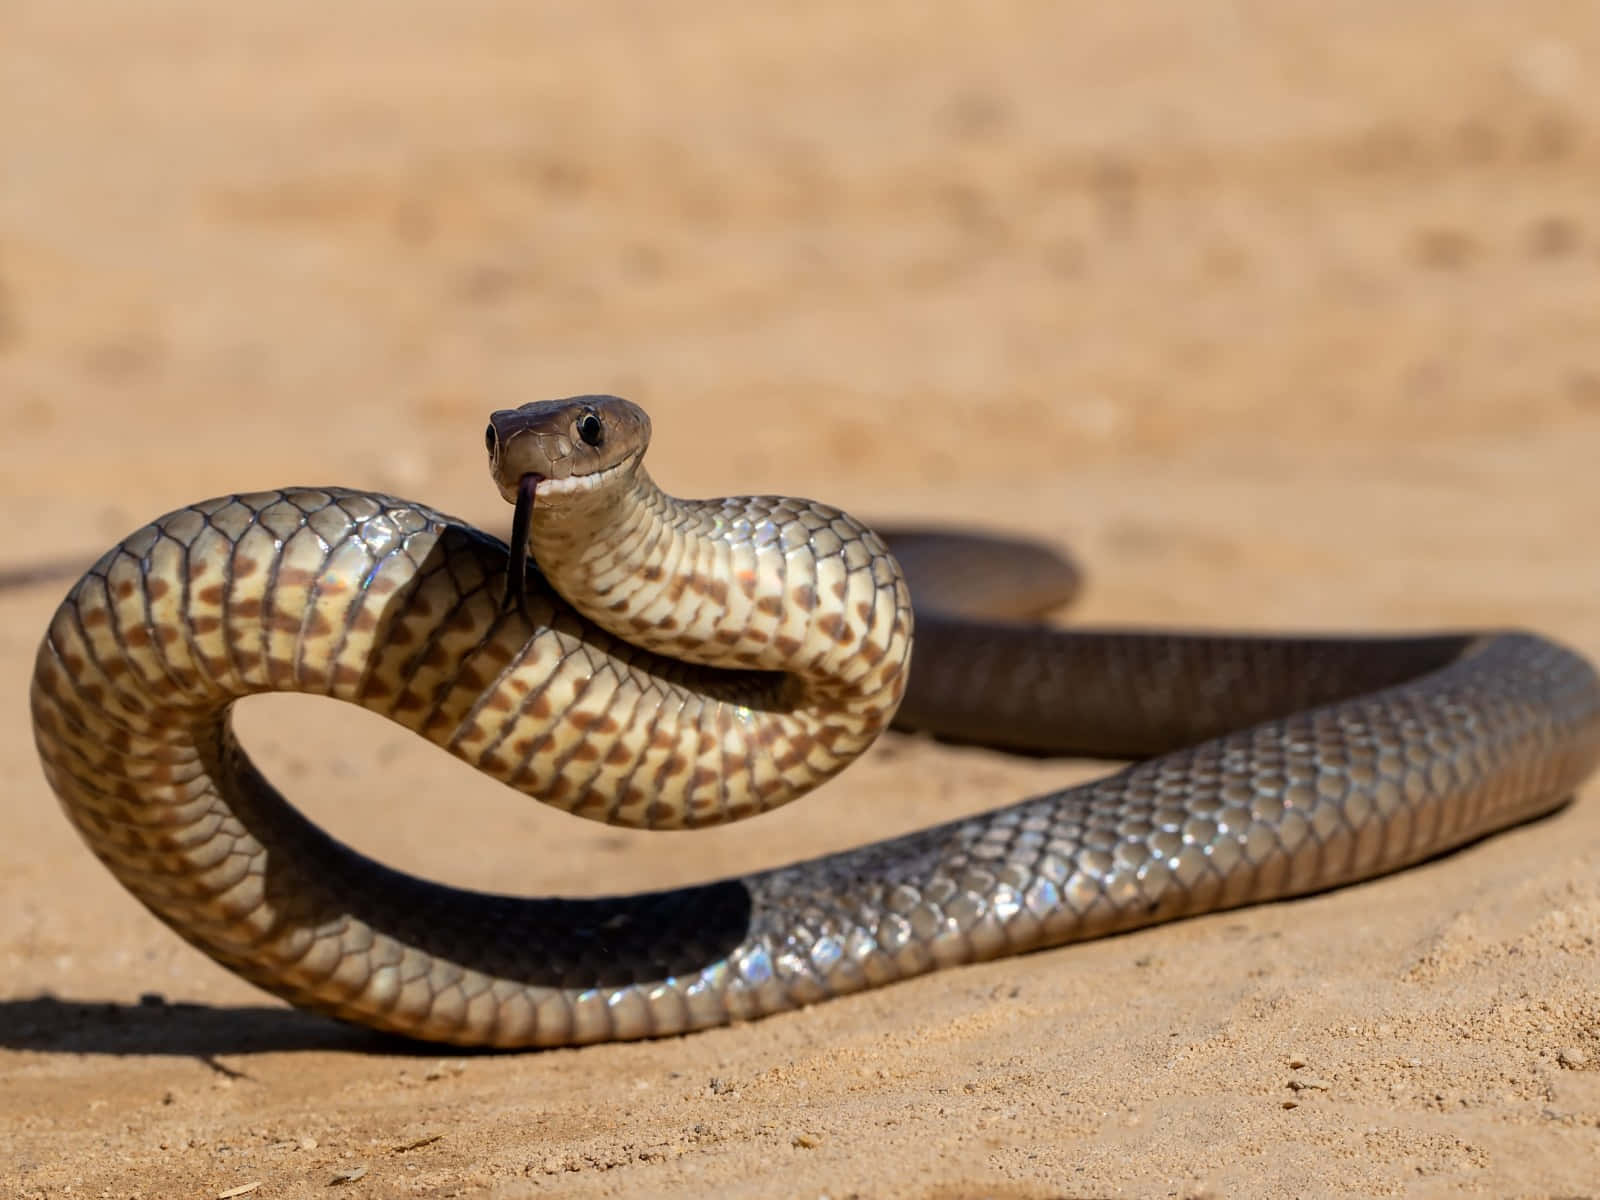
52	1025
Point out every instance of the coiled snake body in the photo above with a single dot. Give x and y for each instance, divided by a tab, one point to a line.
675	664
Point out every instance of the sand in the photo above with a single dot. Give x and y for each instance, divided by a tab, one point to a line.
1281	315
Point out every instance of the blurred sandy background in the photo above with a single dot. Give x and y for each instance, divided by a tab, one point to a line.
1283	314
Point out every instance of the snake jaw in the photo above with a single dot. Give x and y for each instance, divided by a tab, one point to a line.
516	594
578	445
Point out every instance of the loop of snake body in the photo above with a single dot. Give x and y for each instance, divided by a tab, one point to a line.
674	663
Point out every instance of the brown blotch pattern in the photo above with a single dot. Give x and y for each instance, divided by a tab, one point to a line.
395	607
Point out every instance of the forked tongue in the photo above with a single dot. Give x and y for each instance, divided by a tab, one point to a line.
517	568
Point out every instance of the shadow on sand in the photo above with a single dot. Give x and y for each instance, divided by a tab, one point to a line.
48	1024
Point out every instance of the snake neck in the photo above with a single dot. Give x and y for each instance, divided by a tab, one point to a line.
752	582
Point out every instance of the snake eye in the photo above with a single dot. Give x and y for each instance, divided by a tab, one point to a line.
590	428
489	440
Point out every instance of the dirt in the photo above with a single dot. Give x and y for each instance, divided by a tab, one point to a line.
1281	315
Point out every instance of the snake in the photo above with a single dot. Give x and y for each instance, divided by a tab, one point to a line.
662	663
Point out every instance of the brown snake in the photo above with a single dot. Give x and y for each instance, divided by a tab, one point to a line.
678	663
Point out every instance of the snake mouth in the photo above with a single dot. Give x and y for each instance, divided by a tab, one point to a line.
516	594
560	487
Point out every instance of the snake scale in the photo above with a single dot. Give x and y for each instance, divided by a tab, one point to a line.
667	664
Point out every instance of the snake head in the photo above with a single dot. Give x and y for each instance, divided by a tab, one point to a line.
561	455
574	447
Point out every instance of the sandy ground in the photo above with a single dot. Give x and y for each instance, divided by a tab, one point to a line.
1282	314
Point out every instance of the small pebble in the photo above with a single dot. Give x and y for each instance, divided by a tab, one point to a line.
1571	1056
1309	1083
807	1141
426	1140
349	1174
1296	1061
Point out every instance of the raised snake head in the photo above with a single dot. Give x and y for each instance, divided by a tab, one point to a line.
568	448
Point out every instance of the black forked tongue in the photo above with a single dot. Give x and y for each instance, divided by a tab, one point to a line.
517	567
